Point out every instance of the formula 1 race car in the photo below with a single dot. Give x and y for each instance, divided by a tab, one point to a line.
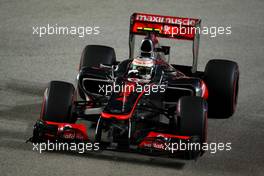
143	103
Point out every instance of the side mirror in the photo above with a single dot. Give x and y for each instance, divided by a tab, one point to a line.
164	49
110	67
105	66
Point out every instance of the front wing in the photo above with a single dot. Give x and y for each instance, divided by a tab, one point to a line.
154	142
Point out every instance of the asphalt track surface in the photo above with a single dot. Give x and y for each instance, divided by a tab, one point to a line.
28	63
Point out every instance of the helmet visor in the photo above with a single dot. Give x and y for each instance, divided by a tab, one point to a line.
142	70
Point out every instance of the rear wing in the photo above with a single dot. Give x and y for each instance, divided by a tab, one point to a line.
165	27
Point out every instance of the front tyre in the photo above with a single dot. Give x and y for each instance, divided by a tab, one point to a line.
58	102
192	112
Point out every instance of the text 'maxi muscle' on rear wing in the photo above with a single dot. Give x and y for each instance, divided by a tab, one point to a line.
166	27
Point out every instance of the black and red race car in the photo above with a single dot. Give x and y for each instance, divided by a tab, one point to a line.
143	103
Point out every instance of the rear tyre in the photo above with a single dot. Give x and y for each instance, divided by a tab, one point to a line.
58	102
222	78
192	112
93	56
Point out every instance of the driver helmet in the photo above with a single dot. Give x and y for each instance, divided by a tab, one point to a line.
141	68
147	48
